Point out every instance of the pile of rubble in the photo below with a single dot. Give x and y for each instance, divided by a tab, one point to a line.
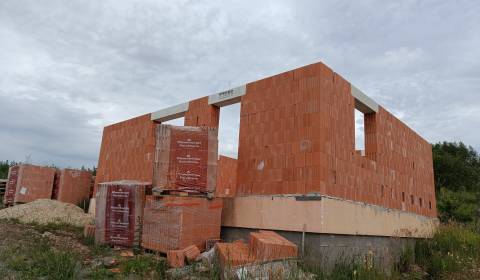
266	255
45	211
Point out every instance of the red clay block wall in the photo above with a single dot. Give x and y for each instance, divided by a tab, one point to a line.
127	151
200	113
297	136
226	177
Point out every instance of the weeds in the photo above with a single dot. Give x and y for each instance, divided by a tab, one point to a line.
39	260
143	264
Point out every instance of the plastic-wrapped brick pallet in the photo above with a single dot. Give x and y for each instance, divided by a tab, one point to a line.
27	183
176	222
72	186
11	187
186	158
119	213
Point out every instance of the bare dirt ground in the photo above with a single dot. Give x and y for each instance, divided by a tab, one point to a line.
59	251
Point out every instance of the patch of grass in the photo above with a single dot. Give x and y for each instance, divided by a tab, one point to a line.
101	273
39	260
452	249
51	227
143	265
95	249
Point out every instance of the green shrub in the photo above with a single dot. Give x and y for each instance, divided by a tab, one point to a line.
452	249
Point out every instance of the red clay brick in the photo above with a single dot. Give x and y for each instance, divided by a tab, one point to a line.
73	186
269	246
176	222
314	110
234	254
191	253
176	258
127	151
200	113
226	177
34	182
186	158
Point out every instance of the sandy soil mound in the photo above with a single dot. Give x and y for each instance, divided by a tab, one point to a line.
44	211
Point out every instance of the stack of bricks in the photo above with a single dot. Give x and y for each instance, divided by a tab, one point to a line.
119	213
72	186
127	151
185	159
27	183
11	187
264	246
297	137
268	246
176	222
234	254
140	149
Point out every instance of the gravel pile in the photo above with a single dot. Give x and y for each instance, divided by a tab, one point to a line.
45	211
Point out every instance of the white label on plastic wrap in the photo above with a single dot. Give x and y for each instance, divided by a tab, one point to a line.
261	165
188	160
23	190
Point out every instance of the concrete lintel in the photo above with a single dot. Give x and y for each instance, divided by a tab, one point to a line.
227	97
363	103
170	113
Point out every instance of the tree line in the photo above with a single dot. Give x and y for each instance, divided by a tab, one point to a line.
457	180
5	165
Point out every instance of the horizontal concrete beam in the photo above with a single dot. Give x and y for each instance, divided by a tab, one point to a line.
326	215
227	97
170	113
363	103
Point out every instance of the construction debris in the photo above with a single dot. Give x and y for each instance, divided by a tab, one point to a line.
267	256
45	211
269	246
176	258
191	253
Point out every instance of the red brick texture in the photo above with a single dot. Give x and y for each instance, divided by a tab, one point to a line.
269	246
297	136
234	254
127	151
73	186
186	158
226	177
201	114
176	222
176	258
34	182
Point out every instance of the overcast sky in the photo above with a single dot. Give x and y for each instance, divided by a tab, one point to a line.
68	68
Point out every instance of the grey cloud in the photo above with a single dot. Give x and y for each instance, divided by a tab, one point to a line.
74	66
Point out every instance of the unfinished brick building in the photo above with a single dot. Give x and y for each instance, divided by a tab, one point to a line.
297	167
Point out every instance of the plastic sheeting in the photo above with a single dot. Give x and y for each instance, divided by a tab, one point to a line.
186	158
32	183
119	213
11	187
72	186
